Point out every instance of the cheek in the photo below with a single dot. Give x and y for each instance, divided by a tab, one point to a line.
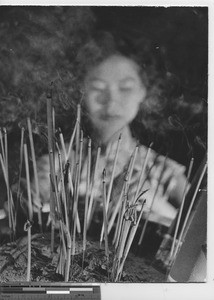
132	103
90	102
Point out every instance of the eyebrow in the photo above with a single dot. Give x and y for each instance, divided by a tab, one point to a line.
124	80
121	80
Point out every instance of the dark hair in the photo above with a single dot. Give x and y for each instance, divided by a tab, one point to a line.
152	69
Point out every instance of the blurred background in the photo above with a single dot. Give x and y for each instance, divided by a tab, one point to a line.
39	45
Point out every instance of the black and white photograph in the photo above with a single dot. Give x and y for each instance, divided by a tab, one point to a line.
103	144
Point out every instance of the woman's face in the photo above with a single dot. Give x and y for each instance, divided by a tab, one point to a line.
113	93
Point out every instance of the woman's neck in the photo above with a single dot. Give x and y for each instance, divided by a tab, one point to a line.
104	137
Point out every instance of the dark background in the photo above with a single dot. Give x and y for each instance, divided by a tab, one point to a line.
181	33
38	46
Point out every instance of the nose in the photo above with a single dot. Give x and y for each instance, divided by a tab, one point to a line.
109	99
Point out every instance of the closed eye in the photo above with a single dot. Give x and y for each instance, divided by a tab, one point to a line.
126	89
127	85
97	85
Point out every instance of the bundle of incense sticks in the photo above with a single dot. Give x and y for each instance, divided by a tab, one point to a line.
172	254
187	217
65	175
58	192
171	243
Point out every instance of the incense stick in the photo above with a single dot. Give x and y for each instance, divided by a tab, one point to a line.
153	199
105	216
52	169
111	182
2	145
121	214
89	217
87	197
8	193
77	194
38	201
6	150
78	132
189	211
126	187
115	212
30	207
30	212
71	141
129	242
27	227
63	188
140	184
181	207
21	160
62	142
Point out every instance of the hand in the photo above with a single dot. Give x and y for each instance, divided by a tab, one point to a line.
166	172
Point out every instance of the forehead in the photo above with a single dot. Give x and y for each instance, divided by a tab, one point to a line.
115	67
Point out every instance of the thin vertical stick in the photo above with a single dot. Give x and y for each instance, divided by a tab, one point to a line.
30	212
53	133
79	176
78	131
87	197
121	214
6	149
71	141
77	195
189	211
123	236
50	134
115	212
126	183
28	229
62	142
68	259
130	240
52	214
92	188
52	172
105	216
139	186
111	182
10	202
132	165
52	168
182	205
63	188
2	145
68	170
30	207
113	172
66	226
8	191
38	201
21	159
153	199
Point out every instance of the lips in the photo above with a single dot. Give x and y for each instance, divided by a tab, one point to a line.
106	117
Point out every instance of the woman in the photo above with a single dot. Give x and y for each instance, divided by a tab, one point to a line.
122	82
